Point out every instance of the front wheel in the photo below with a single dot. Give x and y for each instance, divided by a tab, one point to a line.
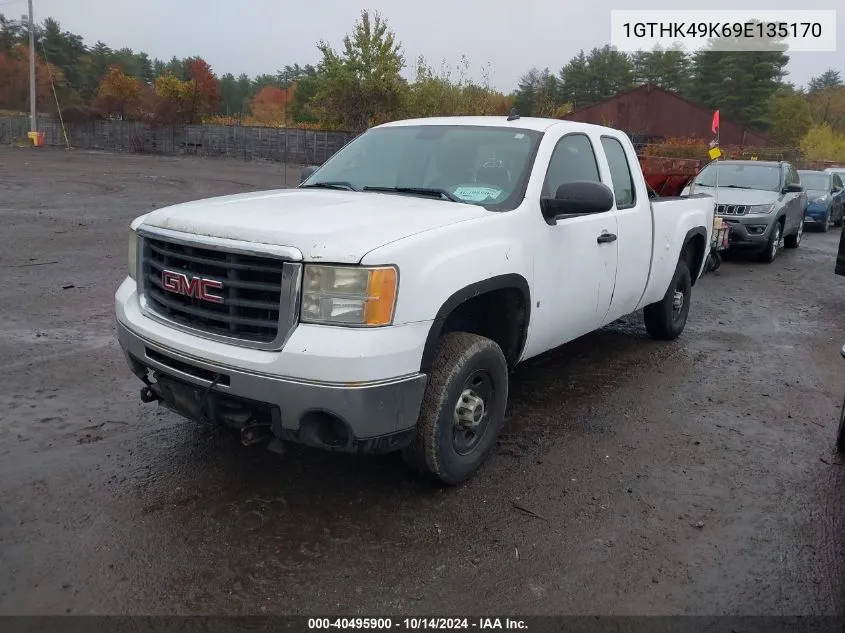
826	223
770	253
794	241
666	319
463	408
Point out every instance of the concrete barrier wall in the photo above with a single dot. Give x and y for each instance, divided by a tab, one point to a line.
292	146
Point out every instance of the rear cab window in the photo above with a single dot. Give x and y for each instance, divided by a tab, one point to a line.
620	173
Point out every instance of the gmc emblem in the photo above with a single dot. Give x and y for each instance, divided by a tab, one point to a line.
197	287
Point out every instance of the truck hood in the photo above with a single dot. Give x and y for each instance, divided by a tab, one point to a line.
334	226
726	195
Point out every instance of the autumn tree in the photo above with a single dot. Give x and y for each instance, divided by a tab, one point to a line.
270	106
119	95
790	118
203	89
361	85
828	107
14	81
823	143
172	100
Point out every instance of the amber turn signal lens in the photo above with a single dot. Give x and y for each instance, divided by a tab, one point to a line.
381	296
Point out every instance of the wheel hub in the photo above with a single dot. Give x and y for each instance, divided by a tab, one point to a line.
469	411
678	300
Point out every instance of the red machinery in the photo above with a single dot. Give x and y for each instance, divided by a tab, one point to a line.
668	176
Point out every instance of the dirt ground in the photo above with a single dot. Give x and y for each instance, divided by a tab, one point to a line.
695	477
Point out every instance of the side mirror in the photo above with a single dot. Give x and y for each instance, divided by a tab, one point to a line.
836	189
793	189
306	172
574	199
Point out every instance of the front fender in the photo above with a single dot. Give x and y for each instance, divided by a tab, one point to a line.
435	265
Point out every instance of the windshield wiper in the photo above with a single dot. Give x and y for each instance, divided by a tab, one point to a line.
734	187
330	185
420	191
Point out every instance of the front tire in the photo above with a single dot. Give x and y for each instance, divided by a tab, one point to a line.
666	319
463	408
826	224
794	241
772	249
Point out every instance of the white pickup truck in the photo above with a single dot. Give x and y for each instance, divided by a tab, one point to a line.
380	305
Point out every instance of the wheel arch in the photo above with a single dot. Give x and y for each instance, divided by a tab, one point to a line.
511	283
694	251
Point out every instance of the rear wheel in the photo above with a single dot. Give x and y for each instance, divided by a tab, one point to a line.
666	319
463	408
794	241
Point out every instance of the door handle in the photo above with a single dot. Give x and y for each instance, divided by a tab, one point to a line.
606	237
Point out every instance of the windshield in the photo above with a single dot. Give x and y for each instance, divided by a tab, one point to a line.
742	175
487	166
815	180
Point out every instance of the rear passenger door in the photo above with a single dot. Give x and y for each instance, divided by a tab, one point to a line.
633	217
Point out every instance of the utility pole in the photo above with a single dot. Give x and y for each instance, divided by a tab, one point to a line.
32	127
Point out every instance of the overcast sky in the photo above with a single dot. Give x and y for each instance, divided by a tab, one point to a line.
261	36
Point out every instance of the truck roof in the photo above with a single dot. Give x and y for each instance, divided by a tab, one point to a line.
526	123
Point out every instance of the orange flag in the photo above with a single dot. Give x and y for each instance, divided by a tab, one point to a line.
715	125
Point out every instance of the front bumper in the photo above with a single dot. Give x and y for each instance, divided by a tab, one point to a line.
815	215
377	416
750	231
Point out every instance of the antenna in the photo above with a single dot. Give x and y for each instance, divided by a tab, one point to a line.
514	115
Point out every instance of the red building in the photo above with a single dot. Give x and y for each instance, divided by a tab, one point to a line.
649	113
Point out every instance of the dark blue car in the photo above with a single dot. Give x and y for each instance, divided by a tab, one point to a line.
826	199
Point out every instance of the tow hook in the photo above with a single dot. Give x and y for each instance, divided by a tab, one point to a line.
256	433
148	395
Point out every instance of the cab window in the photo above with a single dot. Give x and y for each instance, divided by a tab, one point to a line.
573	159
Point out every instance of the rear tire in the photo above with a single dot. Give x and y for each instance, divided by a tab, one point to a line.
666	319
463	408
794	241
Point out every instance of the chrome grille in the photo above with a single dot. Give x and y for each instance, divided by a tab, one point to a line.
732	209
254	297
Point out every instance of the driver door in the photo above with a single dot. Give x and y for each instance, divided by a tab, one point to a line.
581	252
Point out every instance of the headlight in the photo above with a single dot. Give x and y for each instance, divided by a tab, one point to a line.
349	295
133	254
761	208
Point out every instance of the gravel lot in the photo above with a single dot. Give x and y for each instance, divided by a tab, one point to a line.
696	477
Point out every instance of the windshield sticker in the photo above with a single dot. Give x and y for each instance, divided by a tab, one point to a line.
477	194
